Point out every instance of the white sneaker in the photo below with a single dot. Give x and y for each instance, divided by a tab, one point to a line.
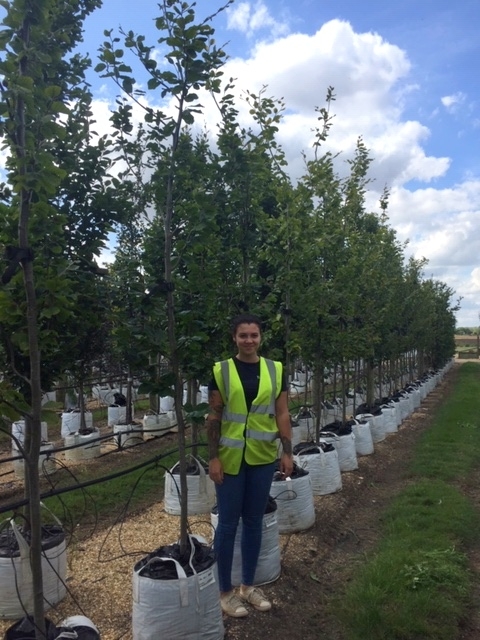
255	597
233	606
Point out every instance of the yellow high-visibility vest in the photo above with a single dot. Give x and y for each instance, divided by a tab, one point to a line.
250	433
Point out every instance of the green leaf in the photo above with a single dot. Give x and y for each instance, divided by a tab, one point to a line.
188	117
127	85
153	83
52	91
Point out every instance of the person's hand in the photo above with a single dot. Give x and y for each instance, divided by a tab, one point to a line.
215	470
286	464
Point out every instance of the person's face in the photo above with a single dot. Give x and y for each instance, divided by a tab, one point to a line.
247	338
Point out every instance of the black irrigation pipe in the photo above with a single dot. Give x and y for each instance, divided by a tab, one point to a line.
88	483
108	436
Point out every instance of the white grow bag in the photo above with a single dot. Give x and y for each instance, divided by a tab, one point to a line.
395	402
155	424
201	490
363	437
117	414
18	432
345	446
183	608
416	396
71	422
294	498
406	404
377	425
390	418
89	446
16	575
269	562
167	403
323	468
127	435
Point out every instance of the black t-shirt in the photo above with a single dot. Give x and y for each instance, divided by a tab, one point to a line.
249	373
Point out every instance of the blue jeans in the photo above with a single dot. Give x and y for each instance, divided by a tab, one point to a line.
244	495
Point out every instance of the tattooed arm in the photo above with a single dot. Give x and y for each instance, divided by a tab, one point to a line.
213	424
284	425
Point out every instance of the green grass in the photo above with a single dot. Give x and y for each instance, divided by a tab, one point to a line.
109	500
112	499
452	448
417	583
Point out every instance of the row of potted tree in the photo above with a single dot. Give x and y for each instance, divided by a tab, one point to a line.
207	226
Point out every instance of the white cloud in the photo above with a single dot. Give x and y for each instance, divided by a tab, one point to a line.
453	102
371	81
248	18
443	225
474	284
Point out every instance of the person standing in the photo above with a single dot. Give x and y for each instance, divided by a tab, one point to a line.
248	412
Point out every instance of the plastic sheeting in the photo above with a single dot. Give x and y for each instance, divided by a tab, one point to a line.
183	606
24	629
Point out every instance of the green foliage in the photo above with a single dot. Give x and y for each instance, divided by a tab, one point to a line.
56	177
195	414
133	491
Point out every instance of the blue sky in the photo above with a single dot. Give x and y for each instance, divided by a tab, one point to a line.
406	79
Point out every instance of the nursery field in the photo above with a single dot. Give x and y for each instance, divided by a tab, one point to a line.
317	565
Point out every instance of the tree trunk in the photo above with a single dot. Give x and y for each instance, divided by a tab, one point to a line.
171	332
128	410
318	391
32	447
32	421
370	371
81	406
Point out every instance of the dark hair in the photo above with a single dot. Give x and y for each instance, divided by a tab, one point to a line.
244	318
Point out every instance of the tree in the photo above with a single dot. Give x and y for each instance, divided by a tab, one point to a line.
193	62
37	85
